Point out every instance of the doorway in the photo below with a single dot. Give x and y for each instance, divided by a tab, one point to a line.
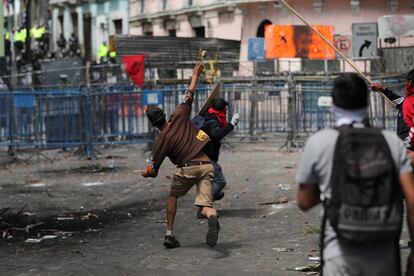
87	36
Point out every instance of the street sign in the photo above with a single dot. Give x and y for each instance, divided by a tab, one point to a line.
256	48
344	44
293	41
152	97
325	101
396	26
364	40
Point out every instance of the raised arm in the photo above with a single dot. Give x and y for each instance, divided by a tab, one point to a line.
396	99
198	68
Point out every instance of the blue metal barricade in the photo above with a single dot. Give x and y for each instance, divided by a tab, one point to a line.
102	114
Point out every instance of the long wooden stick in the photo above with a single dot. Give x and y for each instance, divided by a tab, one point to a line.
332	46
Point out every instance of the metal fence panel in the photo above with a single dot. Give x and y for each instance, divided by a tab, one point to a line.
101	114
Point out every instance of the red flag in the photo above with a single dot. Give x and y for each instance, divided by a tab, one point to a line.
134	66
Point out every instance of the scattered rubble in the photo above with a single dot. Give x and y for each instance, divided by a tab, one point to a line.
281	200
311	230
316	267
26	226
46	237
283	249
284	187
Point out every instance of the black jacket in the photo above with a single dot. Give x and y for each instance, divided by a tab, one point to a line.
216	132
397	100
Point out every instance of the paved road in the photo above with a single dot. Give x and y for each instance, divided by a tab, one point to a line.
252	241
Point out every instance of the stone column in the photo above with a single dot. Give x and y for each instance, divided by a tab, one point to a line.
158	28
67	23
184	28
211	22
56	30
79	11
94	30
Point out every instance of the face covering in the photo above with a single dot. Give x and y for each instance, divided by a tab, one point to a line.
221	115
345	116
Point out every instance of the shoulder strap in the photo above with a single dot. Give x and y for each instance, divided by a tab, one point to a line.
322	237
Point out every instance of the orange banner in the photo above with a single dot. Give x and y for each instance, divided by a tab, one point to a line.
289	41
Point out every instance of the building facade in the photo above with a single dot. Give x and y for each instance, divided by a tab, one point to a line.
92	21
14	13
244	19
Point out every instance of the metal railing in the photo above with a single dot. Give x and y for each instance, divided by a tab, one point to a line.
114	114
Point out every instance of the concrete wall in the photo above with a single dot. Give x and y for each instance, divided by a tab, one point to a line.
338	13
239	21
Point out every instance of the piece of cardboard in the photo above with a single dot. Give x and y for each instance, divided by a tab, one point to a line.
214	94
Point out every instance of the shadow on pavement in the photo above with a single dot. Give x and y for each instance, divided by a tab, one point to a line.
223	248
243	212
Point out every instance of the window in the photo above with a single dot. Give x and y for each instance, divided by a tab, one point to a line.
200	32
164	5
60	19
142	6
261	29
118	26
147	29
74	17
190	2
172	33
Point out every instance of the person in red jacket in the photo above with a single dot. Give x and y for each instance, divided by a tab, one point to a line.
408	106
405	106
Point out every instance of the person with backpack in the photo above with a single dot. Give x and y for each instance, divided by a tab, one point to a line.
217	127
361	175
183	143
405	107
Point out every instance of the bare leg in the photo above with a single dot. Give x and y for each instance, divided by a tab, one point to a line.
208	211
213	225
171	211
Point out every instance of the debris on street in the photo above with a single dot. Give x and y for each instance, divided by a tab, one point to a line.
309	268
279	201
310	230
91	184
284	187
46	237
283	249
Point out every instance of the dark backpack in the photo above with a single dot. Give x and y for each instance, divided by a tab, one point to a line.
198	121
366	201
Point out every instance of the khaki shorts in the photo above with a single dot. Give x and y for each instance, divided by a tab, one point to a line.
200	175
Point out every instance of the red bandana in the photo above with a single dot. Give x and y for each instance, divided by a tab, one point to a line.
409	89
221	115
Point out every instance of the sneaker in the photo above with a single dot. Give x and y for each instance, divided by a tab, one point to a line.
213	231
219	196
171	242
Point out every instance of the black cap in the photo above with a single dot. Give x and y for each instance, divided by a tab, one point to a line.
219	104
155	114
350	91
